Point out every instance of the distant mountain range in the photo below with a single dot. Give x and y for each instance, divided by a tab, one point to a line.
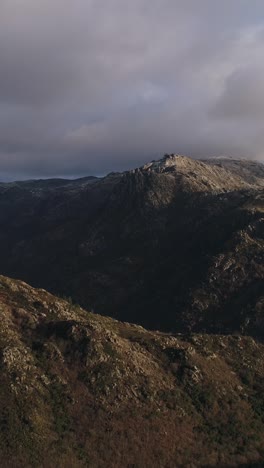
176	245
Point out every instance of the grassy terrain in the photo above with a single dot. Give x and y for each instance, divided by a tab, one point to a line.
78	389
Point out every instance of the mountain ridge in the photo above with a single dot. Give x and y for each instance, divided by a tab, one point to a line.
171	245
166	160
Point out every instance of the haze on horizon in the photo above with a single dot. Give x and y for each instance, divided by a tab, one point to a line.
92	86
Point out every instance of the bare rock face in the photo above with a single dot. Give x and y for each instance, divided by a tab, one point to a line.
251	172
78	389
197	175
175	245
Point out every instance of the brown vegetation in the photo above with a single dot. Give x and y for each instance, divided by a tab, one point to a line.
78	389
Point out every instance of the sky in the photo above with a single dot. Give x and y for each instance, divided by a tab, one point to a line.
93	86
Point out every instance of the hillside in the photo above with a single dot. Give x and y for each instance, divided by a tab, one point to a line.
176	245
251	171
78	389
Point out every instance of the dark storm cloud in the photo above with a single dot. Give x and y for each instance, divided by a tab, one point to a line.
101	85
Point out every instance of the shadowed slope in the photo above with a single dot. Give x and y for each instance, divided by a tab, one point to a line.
175	245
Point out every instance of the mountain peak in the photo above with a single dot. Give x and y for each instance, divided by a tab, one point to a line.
194	175
217	174
169	161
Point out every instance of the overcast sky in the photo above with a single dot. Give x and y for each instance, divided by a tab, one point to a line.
91	86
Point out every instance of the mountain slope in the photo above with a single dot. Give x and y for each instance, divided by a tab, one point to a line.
251	171
177	244
78	389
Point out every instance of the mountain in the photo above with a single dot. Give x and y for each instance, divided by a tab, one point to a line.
38	185
251	171
82	390
175	245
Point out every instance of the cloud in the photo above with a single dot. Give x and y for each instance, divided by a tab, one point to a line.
243	96
101	85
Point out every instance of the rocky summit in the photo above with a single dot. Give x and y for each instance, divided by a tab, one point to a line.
83	390
175	245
